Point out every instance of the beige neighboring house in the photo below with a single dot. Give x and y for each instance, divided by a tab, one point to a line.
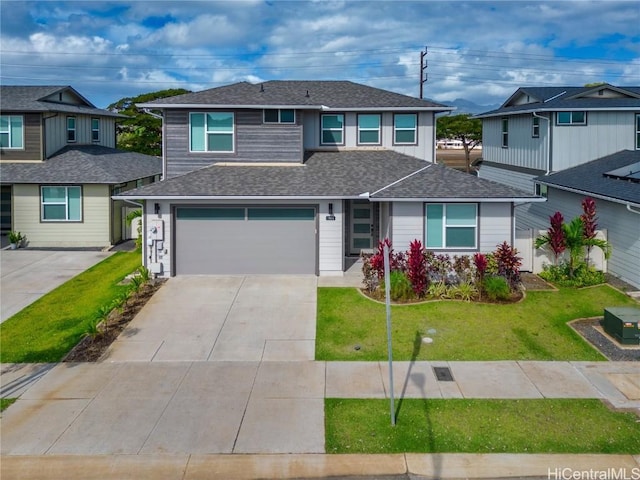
59	169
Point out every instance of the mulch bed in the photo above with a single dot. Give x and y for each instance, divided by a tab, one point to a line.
91	349
609	347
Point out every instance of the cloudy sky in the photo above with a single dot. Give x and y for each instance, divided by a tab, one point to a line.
479	51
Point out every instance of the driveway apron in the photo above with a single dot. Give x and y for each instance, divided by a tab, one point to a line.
209	365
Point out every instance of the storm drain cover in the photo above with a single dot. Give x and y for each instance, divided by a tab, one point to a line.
443	374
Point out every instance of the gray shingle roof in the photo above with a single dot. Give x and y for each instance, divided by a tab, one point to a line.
333	94
589	178
84	164
566	98
23	98
346	174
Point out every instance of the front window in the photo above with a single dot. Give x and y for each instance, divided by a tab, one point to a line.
451	225
638	131
61	204
505	132
277	115
369	129
71	129
11	131
333	129
95	129
571	118
405	128
212	132
535	127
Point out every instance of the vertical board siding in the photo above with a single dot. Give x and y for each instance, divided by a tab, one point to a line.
32	141
407	224
331	239
254	142
523	150
93	231
520	180
56	132
604	134
495	225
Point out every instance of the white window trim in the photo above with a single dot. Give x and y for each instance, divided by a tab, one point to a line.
264	113
206	132
96	130
368	129
535	127
331	129
571	122
404	129
9	147
74	129
65	203
445	226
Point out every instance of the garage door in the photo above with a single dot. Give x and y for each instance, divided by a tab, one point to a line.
245	240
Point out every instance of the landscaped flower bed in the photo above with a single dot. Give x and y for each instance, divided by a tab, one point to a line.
420	274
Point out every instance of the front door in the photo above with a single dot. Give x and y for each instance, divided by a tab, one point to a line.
361	229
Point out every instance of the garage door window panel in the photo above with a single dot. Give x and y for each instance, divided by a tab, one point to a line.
281	214
211	213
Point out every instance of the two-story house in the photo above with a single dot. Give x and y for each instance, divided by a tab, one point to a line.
568	143
59	168
296	176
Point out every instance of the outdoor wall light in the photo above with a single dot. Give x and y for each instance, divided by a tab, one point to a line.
331	209
156	208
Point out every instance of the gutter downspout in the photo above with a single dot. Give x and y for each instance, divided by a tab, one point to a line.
161	117
548	141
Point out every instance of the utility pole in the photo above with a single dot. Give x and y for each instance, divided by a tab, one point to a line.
423	74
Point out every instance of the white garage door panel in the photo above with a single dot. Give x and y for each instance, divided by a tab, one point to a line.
256	240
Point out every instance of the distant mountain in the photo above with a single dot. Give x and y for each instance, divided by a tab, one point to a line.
467	106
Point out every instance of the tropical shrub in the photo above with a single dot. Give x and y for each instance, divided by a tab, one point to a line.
496	288
400	286
466	291
583	276
508	264
439	290
417	268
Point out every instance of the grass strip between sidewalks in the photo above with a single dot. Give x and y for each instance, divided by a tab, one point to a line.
353	327
5	402
479	426
51	326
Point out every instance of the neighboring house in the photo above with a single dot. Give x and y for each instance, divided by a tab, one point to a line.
539	131
297	176
59	168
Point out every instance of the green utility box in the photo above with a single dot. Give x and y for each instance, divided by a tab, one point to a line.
623	323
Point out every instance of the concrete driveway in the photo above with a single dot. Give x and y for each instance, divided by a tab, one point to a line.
29	274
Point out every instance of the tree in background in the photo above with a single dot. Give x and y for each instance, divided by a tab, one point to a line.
141	132
461	127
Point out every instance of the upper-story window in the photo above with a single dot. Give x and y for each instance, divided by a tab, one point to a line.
571	118
505	132
95	129
535	127
278	115
332	129
638	131
369	129
211	132
11	131
71	129
405	129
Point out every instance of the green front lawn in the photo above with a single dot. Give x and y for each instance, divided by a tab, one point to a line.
534	329
479	426
50	327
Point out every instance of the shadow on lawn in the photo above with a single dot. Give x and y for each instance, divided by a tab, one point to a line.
420	379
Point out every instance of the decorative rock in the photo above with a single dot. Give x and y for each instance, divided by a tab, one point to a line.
427	340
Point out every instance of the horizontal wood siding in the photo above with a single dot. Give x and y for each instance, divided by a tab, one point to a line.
495	225
523	150
520	180
605	133
32	150
254	142
93	231
622	226
56	132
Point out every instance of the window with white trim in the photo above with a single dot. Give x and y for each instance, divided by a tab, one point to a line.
95	129
505	132
11	131
61	204
279	115
71	129
212	132
369	129
332	129
451	225
405	127
638	131
571	118
535	127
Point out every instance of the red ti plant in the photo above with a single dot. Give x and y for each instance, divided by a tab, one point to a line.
589	223
555	237
417	268
480	261
508	263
